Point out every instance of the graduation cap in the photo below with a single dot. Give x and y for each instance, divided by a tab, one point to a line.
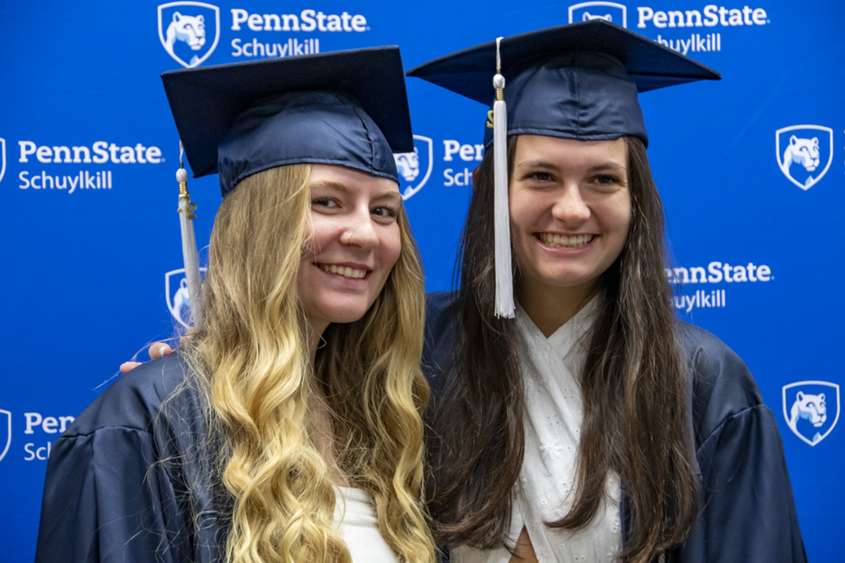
347	107
577	81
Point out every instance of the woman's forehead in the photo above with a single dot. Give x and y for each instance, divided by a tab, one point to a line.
542	147
351	180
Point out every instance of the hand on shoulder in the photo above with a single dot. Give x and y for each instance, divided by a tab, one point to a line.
156	350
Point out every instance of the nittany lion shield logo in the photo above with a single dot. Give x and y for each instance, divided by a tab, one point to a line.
811	409
178	296
804	153
189	31
610	11
5	432
2	158
415	167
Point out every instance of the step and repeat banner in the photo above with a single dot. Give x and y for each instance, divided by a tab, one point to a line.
751	169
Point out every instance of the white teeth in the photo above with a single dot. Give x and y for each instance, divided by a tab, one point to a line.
345	272
576	241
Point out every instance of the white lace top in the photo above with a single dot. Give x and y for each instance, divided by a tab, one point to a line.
359	524
553	418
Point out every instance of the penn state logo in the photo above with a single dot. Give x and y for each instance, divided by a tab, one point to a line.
609	11
5	432
189	31
811	409
804	153
2	158
178	296
410	164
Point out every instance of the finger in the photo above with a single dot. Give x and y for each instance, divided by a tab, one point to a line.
185	338
126	367
159	349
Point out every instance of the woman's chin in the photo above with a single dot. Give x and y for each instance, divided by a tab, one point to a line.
337	315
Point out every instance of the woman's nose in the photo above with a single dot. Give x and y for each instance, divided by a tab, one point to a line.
569	206
361	231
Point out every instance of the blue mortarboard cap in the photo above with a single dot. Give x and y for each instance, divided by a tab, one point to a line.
577	81
347	107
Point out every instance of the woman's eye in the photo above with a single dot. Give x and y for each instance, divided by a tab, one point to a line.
385	212
540	176
606	179
326	202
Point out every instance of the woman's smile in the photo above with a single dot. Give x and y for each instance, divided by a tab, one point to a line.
553	240
351	271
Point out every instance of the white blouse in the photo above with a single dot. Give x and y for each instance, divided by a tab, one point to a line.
553	417
359	524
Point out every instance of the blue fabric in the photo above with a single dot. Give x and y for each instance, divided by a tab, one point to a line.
344	107
303	127
127	479
748	512
110	496
585	96
577	81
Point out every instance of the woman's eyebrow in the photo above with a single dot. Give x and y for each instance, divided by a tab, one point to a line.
390	194
536	164
607	166
543	164
344	188
330	184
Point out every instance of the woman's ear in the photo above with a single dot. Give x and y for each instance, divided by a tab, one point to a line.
475	176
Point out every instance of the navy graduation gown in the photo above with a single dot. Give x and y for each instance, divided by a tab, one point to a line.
748	512
125	482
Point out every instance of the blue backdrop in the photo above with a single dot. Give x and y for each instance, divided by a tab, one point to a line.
750	168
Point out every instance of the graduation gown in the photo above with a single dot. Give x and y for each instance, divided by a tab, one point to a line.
127	480
747	512
131	481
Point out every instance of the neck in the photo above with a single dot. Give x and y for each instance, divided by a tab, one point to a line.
551	308
315	336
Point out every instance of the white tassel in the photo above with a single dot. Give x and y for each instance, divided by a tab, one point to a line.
189	243
504	273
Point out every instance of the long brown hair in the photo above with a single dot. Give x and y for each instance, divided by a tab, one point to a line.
633	387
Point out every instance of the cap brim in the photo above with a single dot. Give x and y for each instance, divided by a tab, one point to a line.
206	101
651	65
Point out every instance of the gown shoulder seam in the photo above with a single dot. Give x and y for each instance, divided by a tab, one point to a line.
109	427
721	425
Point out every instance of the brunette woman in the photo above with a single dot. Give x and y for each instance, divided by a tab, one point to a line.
594	426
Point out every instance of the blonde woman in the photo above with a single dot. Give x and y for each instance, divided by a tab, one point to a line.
289	428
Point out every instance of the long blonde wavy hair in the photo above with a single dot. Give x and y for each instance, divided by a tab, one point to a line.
251	354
